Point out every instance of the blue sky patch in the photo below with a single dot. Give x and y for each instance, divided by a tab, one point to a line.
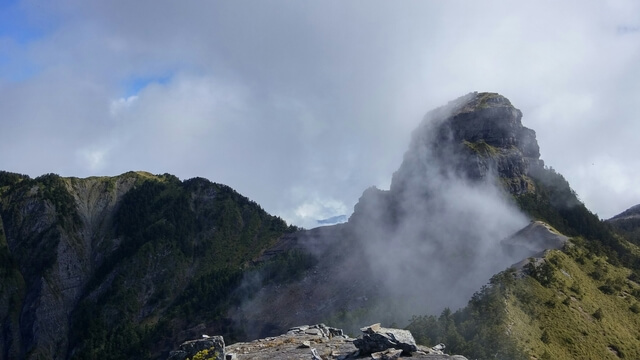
16	70
134	85
15	24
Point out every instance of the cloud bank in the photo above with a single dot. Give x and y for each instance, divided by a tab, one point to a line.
301	105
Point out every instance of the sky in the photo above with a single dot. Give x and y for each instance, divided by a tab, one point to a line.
302	105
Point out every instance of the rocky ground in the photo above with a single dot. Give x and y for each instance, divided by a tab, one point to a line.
316	342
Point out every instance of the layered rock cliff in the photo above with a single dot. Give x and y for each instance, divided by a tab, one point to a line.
477	135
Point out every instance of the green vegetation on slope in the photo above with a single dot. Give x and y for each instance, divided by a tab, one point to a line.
11	297
184	249
481	148
583	303
27	204
555	203
629	228
572	305
478	330
168	256
583	310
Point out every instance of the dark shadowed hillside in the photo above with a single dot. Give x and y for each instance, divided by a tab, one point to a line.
628	224
121	267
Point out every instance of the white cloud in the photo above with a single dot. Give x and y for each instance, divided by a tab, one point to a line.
122	104
321	96
93	158
314	208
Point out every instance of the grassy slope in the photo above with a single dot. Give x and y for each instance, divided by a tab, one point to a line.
589	308
586	311
580	303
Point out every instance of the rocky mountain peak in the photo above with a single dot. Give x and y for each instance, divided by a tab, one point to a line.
475	135
491	118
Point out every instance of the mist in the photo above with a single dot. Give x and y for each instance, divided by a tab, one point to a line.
316	98
426	244
441	241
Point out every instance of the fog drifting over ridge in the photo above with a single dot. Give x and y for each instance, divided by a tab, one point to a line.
427	244
442	242
301	105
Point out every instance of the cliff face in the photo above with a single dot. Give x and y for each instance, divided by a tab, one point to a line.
85	259
477	135
59	231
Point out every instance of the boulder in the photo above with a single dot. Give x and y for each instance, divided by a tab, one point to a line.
318	329
389	354
376	338
214	344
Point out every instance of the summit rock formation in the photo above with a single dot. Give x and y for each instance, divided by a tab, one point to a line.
475	135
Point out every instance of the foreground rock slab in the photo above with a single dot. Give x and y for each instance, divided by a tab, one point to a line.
318	342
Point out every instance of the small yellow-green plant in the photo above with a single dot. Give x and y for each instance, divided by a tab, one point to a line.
206	355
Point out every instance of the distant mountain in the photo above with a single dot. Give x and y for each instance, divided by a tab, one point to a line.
628	224
338	219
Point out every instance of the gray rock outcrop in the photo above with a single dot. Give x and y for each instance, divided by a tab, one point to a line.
533	240
476	134
214	345
319	342
376	339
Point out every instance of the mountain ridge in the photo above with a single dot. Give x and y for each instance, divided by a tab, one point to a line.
80	246
414	217
129	266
